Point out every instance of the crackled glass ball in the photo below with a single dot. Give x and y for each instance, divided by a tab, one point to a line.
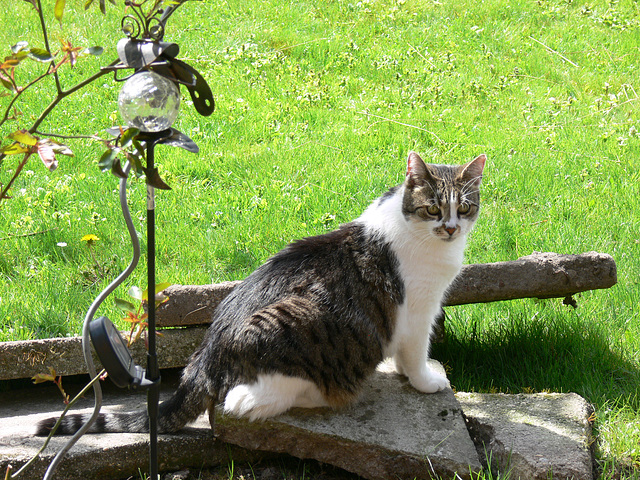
149	102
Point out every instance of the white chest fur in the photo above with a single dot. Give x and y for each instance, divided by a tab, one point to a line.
427	266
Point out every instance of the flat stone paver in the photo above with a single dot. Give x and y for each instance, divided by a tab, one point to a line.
394	431
101	456
534	436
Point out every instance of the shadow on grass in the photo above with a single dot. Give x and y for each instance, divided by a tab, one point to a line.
536	355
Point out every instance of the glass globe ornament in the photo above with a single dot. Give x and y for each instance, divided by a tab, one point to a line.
149	102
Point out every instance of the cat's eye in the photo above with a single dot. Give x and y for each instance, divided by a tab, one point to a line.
433	209
428	211
464	208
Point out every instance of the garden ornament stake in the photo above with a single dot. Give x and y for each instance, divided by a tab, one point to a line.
149	102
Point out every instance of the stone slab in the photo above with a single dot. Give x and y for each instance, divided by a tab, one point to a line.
392	432
102	456
25	359
534	436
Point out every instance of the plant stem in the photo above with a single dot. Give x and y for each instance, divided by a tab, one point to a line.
54	103
63	94
43	26
14	99
3	194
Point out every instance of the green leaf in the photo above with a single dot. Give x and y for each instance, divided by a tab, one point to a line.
159	288
88	4
95	51
125	305
135	292
44	377
24	137
162	286
6	83
128	136
62	149
40	54
58	10
19	47
10	62
136	157
106	160
14	149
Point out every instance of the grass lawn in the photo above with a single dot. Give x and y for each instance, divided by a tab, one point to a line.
318	104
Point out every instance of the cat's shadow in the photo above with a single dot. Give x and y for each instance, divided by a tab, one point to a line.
537	357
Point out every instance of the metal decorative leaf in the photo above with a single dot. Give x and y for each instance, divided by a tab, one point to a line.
155	181
179	139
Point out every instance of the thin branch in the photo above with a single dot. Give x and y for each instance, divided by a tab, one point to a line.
63	94
67	137
43	26
3	194
24	89
32	234
403	124
554	51
52	105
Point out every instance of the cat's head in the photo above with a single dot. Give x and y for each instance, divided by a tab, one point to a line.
443	200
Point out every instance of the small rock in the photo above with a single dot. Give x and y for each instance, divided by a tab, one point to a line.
271	473
181	475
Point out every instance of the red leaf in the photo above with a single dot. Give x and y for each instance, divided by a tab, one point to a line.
47	155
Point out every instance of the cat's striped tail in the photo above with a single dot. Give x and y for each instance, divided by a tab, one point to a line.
173	414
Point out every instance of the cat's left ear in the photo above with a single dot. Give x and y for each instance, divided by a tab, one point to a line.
472	171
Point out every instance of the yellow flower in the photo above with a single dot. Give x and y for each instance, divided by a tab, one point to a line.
90	238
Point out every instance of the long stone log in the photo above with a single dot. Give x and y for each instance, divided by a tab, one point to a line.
539	275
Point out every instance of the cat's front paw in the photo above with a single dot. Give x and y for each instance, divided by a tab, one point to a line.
430	382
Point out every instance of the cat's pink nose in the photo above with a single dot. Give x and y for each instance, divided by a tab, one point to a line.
450	230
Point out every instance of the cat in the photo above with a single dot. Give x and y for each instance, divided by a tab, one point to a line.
310	325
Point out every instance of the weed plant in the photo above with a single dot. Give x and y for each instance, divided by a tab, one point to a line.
318	104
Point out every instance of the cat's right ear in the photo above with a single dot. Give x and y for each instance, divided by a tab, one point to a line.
417	171
473	170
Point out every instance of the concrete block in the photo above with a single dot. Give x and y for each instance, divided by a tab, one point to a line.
25	359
